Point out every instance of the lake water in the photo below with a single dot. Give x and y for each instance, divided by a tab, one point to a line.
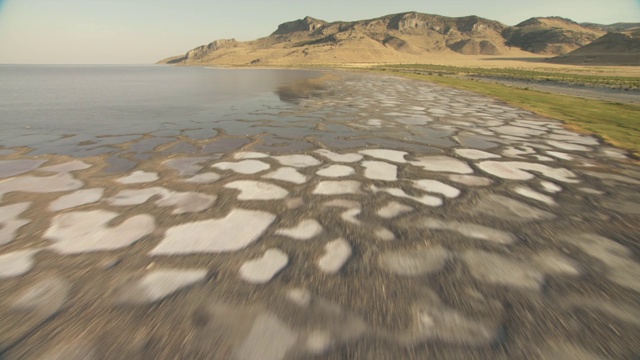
40	104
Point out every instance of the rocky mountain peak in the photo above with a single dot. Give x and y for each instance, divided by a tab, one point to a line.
303	25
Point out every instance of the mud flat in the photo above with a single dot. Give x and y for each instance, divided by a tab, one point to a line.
375	217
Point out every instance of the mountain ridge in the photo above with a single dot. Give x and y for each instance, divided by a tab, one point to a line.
402	37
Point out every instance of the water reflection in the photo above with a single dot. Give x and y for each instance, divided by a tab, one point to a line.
302	89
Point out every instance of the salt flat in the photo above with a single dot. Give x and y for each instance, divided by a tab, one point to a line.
302	228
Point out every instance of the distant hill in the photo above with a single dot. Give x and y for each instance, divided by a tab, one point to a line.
399	38
550	35
405	37
611	49
617	27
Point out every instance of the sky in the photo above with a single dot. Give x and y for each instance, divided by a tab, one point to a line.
145	31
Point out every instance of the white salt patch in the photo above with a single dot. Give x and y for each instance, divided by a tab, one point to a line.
568	146
86	231
298	161
74	165
301	297
532	194
136	196
417	119
515	152
205	178
540	127
622	267
469	230
615	154
46	184
233	232
501	270
542	158
471	180
159	284
288	174
378	170
514	170
552	263
263	269
9	168
377	123
9	222
350	216
186	202
474	154
45	298
337	252
16	263
550	187
443	164
318	341
508	209
384	234
425	199
415	262
583	189
186	166
435	186
393	209
269	339
337	187
249	155
343	158
138	177
517	131
305	230
77	198
561	156
439	111
336	171
583	140
610	176
243	167
390	155
256	190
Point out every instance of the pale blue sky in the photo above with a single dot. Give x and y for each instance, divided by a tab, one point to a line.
144	31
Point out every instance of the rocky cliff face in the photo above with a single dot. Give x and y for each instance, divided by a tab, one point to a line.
305	25
202	51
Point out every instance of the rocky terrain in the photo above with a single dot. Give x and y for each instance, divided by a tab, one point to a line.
400	38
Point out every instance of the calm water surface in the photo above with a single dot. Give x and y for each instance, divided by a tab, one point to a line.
42	103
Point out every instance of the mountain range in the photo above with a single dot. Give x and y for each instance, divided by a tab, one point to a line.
411	36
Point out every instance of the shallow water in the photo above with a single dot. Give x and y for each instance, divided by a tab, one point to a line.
40	104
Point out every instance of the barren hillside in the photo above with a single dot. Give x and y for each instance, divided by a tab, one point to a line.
611	49
550	35
400	38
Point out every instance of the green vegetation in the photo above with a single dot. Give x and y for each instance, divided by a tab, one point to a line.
619	82
618	124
